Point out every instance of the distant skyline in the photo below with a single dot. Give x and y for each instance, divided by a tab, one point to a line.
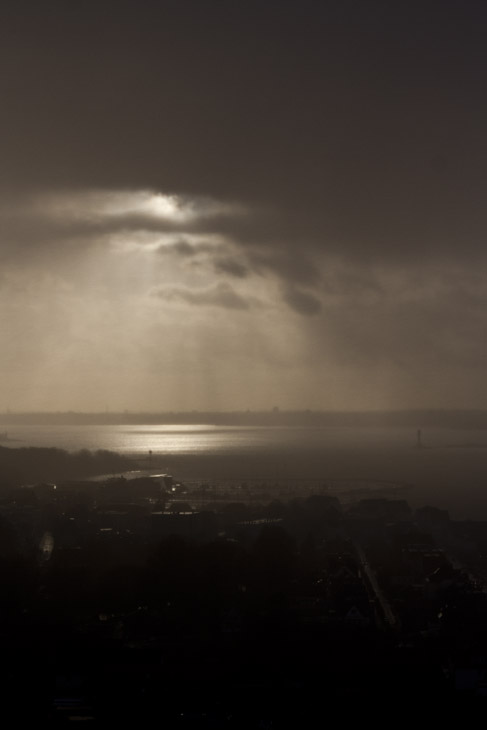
220	206
431	419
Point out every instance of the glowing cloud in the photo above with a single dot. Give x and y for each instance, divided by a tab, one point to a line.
103	204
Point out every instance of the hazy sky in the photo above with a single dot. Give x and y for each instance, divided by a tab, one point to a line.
237	204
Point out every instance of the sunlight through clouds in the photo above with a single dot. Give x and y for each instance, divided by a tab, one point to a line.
141	287
99	204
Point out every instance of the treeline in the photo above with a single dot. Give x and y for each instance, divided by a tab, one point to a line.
29	464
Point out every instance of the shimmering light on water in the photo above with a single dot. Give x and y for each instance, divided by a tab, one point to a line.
450	472
206	439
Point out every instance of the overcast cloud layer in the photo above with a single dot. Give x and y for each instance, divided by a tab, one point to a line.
224	205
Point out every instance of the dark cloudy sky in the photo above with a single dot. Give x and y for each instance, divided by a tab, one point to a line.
224	204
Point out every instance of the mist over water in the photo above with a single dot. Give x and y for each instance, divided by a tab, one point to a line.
450	471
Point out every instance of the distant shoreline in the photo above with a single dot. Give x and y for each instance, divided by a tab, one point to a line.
454	418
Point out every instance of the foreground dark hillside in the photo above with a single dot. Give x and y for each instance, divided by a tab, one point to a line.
148	601
28	465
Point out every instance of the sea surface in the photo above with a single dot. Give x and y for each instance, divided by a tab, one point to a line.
448	471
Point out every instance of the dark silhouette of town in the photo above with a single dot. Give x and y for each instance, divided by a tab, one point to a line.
226	604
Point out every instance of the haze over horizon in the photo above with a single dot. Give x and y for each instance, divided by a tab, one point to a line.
228	206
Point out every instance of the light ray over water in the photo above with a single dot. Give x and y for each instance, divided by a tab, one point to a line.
449	472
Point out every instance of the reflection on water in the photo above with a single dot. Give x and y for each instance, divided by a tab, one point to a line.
449	471
207	439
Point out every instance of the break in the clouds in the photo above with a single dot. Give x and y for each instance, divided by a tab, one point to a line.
202	231
122	302
136	205
223	205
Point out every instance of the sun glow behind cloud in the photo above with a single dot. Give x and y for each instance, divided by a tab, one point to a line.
143	299
161	226
100	204
137	315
